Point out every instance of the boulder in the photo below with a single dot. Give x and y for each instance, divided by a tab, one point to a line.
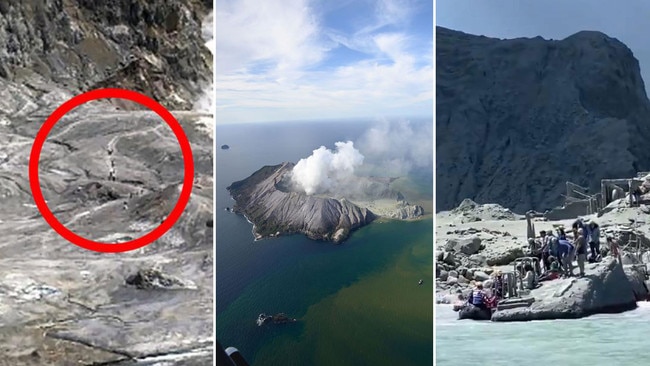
453	274
481	276
443	275
452	280
449	258
148	279
462	271
636	275
477	260
604	289
470	274
503	256
467	246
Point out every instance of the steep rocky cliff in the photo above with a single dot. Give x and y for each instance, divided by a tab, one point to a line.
154	47
516	119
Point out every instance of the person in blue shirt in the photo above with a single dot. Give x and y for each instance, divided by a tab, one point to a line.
561	234
478	296
566	252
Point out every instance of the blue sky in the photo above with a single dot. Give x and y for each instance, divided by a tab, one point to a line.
557	19
281	60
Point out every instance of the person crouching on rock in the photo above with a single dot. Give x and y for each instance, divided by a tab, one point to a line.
530	279
478	296
553	272
566	252
581	251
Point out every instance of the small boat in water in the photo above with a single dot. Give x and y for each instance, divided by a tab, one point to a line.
420	282
279	318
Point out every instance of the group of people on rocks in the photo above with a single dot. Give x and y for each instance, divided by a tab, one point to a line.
583	246
556	253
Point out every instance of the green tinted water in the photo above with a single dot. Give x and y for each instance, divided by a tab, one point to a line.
359	305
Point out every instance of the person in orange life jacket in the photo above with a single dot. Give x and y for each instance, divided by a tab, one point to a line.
478	296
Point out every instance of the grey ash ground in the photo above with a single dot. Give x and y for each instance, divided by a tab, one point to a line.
63	305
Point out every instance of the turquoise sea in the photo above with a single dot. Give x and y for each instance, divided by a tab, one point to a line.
607	339
357	303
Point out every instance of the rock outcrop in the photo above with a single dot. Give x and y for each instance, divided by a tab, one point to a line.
517	118
154	279
154	47
606	288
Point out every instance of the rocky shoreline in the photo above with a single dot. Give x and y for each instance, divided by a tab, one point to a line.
473	241
266	201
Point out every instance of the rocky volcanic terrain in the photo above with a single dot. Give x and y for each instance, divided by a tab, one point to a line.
518	118
153	47
267	200
472	241
63	305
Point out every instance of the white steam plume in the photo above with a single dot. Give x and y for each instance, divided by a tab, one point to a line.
397	148
325	171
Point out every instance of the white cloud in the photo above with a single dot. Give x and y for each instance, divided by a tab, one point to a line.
281	32
272	64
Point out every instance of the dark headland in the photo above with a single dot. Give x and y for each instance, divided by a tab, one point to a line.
267	200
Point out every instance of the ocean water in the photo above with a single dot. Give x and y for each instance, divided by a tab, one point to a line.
608	339
357	303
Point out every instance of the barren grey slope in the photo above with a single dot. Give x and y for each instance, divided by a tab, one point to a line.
517	118
61	304
273	210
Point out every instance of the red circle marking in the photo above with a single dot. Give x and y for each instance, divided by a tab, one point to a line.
173	216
